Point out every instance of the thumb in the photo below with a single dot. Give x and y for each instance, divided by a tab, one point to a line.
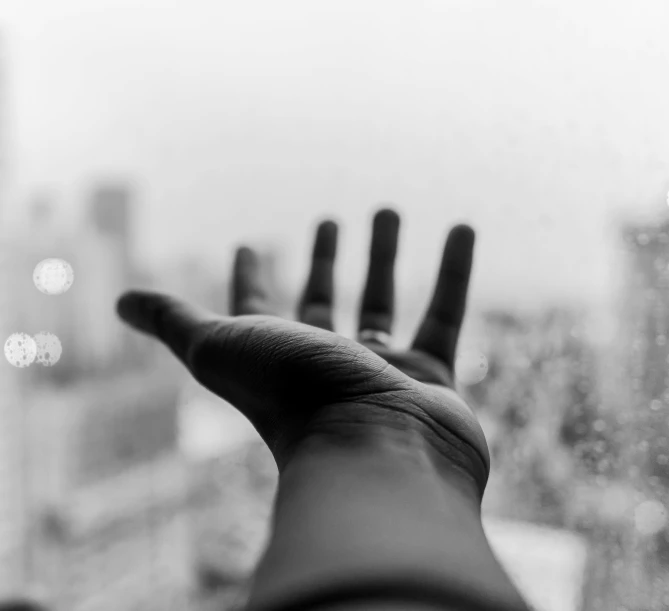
206	343
174	322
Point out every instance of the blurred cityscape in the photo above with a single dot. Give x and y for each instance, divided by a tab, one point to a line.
125	485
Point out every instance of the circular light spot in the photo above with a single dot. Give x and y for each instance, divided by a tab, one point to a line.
471	367
49	348
650	517
599	425
20	349
53	276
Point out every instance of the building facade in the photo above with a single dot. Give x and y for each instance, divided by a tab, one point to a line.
12	380
644	351
109	502
12	432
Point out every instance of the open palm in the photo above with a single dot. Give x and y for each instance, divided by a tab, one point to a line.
431	356
295	379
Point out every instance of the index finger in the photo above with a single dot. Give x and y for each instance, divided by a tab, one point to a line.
174	322
249	295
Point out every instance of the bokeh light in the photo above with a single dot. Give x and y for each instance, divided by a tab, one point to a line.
49	348
650	517
20	349
471	367
53	276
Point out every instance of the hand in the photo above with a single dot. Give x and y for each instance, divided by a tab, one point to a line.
298	380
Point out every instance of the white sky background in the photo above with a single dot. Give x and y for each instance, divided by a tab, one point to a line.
535	121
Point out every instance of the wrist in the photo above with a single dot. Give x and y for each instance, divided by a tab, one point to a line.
401	433
371	511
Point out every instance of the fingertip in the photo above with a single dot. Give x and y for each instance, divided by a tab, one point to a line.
325	245
328	225
142	309
387	216
244	254
328	229
127	304
463	232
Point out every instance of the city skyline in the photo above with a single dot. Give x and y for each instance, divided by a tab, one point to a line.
143	144
228	141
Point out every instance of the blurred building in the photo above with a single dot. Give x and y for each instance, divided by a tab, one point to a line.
4	149
95	341
109	497
644	313
195	279
35	311
104	269
12	430
644	352
12	490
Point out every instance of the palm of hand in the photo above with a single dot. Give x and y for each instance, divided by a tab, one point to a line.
295	373
417	365
283	375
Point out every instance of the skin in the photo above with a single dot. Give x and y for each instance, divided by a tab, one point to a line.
20	605
295	379
382	465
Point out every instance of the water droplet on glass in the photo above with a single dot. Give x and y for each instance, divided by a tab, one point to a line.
656	405
650	517
49	348
53	276
20	349
471	367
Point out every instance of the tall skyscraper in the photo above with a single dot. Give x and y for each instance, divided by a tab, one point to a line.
4	174
110	210
110	495
644	341
12	492
12	431
104	269
645	315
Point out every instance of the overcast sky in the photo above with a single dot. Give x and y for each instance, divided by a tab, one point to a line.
536	121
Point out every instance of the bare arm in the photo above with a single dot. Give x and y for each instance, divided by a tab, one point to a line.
382	465
367	522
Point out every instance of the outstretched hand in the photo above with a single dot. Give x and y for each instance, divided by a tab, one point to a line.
299	380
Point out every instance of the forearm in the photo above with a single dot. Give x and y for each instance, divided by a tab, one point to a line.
378	519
